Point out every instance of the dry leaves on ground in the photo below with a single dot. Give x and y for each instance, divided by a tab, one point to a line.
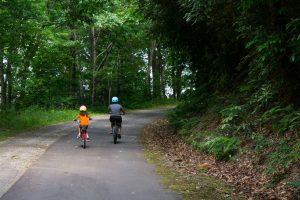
246	178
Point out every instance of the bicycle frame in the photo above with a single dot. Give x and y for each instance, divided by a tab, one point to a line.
83	136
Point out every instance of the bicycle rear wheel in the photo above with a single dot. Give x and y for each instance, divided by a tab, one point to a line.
83	137
115	134
84	144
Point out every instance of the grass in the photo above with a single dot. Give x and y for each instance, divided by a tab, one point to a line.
14	122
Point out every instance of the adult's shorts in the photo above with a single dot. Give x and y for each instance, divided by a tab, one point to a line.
117	119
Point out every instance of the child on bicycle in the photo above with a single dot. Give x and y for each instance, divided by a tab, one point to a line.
83	118
115	110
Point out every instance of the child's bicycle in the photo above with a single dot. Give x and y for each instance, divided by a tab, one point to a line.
83	136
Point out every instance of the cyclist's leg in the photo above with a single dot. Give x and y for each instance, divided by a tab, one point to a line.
79	131
78	135
111	123
119	122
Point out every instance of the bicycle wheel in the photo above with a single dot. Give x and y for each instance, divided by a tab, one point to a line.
83	137
115	134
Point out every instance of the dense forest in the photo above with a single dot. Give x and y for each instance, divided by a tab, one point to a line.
65	53
234	64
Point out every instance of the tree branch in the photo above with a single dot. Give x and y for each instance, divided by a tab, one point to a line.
107	51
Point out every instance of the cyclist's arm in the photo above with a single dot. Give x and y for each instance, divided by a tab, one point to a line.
89	117
122	110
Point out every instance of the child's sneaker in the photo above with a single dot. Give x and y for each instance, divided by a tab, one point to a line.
88	139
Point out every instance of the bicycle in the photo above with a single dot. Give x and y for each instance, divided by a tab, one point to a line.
83	136
115	132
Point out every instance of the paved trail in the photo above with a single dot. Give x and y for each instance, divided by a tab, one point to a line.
65	171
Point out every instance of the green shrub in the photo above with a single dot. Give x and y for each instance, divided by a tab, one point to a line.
220	146
286	153
282	118
230	117
260	141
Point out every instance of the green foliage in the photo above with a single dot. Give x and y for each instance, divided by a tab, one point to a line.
286	153
137	103
182	114
294	183
33	117
260	142
283	118
220	146
262	97
231	118
293	27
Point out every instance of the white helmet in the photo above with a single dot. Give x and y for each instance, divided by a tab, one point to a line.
114	99
82	108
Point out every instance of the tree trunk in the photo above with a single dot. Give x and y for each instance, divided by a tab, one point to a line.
2	80
93	63
178	75
174	80
148	75
155	70
9	82
161	72
73	67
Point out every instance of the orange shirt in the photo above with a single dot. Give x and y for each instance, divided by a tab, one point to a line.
83	119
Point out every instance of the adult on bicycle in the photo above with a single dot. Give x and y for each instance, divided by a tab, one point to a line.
115	110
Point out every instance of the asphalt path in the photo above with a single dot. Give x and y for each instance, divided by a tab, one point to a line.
102	171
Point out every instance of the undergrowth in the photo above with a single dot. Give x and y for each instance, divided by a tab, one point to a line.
13	121
270	130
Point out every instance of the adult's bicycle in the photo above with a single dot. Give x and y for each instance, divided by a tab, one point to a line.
115	131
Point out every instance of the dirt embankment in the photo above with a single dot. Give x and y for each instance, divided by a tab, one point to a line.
246	179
